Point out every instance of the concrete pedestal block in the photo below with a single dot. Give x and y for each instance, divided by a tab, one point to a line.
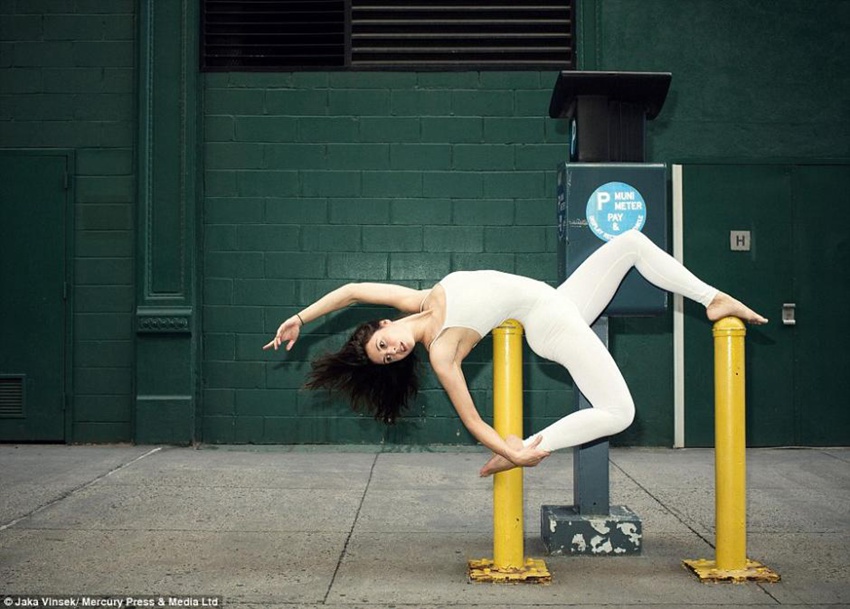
565	531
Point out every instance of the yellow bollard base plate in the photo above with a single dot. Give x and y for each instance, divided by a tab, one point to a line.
707	571
533	572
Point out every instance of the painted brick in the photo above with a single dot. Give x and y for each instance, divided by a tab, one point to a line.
392	239
389	129
103	408
330	183
234	375
233	156
328	129
269	402
73	27
72	80
101	353
220	347
294	156
104	53
296	211
220	238
421	211
218	291
233	210
219	429
103	217
234	264
513	130
420	156
331	238
24	80
538	266
103	162
262	291
519	184
52	54
509	80
219	129
483	212
472	262
304	102
482	156
292	265
104	299
454	239
218	402
452	129
361	267
482	103
264	128
515	239
364	102
419	266
392	183
103	381
103	271
220	183
267	183
102	326
108	243
268	237
358	156
541	212
448	80
371	80
540	156
233	319
234	101
359	211
535	102
453	184
418	102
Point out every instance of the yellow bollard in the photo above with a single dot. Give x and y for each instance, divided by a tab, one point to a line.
509	564
730	463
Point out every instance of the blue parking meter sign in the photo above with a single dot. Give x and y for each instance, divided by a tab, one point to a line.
614	208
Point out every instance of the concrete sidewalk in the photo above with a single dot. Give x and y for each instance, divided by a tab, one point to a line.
357	527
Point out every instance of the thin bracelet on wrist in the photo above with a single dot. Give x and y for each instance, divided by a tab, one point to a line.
299	319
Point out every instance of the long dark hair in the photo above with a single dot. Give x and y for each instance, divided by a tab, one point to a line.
383	390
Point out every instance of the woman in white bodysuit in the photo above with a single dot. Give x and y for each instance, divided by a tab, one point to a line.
376	368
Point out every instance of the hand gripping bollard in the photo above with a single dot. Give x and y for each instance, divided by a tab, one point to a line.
509	564
731	563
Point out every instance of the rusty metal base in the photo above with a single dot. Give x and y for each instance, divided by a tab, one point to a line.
707	571
533	572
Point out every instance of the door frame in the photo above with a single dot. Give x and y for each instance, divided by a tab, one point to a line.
69	155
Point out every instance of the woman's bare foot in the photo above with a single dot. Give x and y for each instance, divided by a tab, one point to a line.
724	305
498	463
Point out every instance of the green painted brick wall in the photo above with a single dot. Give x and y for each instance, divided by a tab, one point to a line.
67	81
313	180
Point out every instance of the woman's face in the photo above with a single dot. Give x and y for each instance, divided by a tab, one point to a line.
390	343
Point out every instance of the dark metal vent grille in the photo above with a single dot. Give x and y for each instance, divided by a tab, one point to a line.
272	34
462	35
11	396
246	35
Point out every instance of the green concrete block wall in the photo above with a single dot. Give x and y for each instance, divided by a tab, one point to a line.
315	180
67	80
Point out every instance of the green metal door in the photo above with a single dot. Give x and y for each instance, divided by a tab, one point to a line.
32	306
755	231
822	278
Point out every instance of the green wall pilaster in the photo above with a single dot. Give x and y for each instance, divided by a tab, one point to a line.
167	325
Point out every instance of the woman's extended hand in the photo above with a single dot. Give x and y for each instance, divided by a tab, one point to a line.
530	455
287	332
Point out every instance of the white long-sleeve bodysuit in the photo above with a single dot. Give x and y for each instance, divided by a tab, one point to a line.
557	324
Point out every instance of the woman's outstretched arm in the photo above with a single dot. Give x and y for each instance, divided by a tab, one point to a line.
451	378
406	300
